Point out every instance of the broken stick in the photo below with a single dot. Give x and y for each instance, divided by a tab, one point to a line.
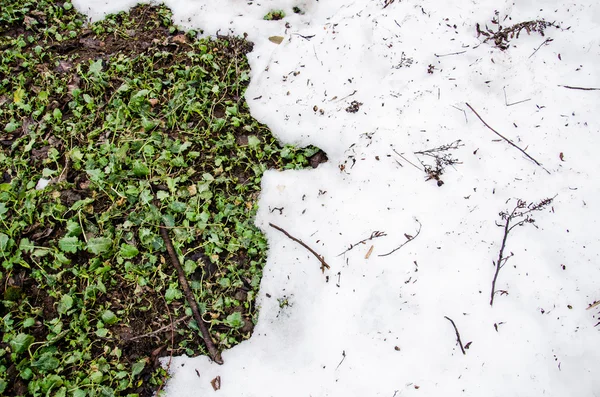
457	335
215	355
324	264
506	139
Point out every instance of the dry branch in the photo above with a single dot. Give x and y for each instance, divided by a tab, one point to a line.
409	239
212	350
374	235
457	335
506	139
521	212
324	264
580	88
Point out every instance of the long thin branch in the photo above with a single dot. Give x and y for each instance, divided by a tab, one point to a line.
580	88
457	335
503	137
406	242
212	350
374	235
500	259
324	264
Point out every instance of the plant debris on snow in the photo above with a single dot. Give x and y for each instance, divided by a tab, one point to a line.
108	131
503	35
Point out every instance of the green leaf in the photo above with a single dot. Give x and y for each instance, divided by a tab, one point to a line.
21	342
46	362
96	377
11	127
128	251
96	67
26	245
28	322
4	242
69	244
234	320
137	368
253	141
79	393
18	95
102	332
172	293
109	317
3	385
66	303
177	206
99	245
140	169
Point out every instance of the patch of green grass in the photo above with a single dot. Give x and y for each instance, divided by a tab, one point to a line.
133	124
274	15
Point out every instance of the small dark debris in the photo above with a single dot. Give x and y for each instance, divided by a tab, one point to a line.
354	107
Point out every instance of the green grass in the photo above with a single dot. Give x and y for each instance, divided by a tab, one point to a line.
135	124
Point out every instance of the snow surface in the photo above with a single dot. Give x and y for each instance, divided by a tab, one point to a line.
376	326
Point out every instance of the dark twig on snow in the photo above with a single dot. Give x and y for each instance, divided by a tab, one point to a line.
374	235
580	88
405	159
547	41
452	53
506	139
324	264
512	103
212	350
408	240
520	215
343	358
457	335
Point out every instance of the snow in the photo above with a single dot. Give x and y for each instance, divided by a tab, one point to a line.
376	326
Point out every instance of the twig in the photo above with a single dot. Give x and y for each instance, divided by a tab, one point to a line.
347	96
324	264
343	358
580	88
304	37
514	103
452	53
462	110
521	210
410	238
593	305
212	350
457	334
506	139
158	331
374	235
548	40
405	159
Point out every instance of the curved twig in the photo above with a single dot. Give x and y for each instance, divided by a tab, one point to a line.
410	238
457	335
324	264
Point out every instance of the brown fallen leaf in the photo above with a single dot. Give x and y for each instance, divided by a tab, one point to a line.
276	39
561	156
180	38
153	101
216	383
